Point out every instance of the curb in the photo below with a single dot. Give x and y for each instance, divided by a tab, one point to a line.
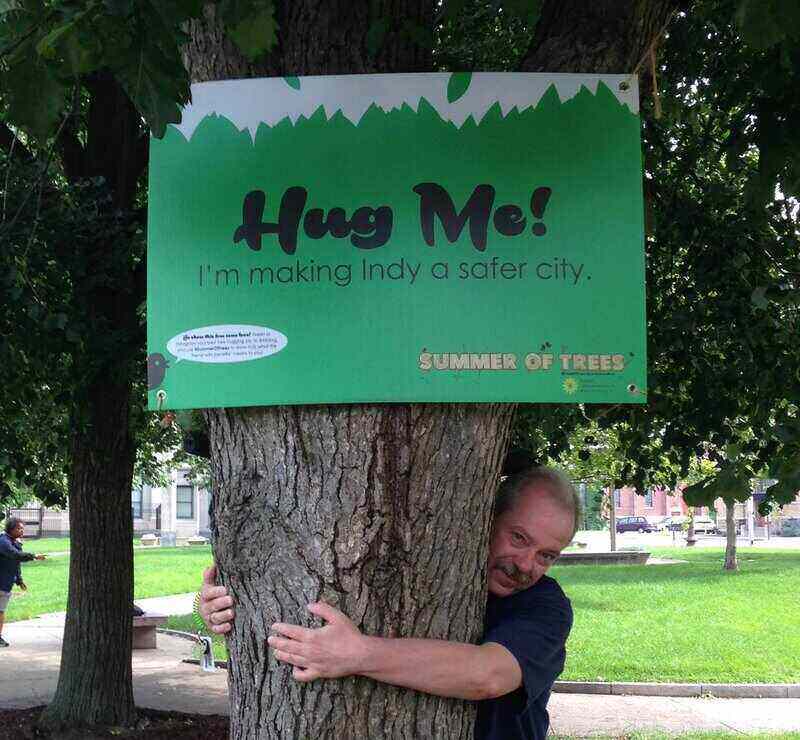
719	690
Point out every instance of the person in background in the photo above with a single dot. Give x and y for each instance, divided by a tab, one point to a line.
11	556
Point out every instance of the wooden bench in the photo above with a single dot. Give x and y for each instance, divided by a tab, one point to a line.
144	630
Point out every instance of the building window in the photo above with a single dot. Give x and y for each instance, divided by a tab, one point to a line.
617	497
184	499
648	499
136	503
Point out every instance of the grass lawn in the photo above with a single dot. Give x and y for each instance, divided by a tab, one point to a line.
157	572
688	621
46	544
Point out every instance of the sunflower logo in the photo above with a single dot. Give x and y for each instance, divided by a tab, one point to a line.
570	385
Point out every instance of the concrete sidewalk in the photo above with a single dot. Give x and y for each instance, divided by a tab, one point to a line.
162	681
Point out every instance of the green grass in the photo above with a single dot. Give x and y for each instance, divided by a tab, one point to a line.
186	623
46	545
687	621
157	572
55	544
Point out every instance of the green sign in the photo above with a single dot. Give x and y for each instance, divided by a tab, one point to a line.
427	237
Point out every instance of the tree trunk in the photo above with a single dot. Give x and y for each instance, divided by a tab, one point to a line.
384	511
381	511
730	537
691	540
603	36
94	681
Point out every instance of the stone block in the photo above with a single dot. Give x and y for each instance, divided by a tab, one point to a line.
144	630
582	687
747	690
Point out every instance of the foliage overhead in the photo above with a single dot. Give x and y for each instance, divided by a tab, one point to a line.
51	46
723	263
722	171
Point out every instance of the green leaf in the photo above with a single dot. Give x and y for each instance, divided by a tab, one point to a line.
256	35
47	44
376	34
80	58
154	86
35	98
457	85
292	82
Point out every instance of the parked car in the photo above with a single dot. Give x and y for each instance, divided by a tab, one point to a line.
670	524
633	524
704	525
790	527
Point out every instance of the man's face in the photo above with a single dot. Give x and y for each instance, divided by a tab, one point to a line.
17	532
526	540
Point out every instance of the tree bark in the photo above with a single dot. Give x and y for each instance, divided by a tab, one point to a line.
381	511
603	36
730	537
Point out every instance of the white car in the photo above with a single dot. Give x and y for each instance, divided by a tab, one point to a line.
704	525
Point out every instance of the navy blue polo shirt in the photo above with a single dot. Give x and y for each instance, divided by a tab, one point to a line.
533	625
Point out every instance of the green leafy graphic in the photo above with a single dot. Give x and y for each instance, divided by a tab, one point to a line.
458	85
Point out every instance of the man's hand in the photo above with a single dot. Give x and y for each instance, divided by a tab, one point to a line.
40	557
333	651
215	604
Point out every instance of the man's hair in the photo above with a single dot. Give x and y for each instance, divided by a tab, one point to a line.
11	523
550	480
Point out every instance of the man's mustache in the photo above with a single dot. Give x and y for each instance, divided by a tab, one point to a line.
514	573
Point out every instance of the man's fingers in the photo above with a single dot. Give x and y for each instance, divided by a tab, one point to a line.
304	676
221	629
296	632
215	604
291	658
326	611
287	646
221	617
210	576
213	592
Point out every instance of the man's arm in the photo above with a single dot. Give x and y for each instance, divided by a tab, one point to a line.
338	649
7	550
452	669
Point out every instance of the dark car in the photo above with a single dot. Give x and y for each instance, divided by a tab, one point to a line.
633	524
